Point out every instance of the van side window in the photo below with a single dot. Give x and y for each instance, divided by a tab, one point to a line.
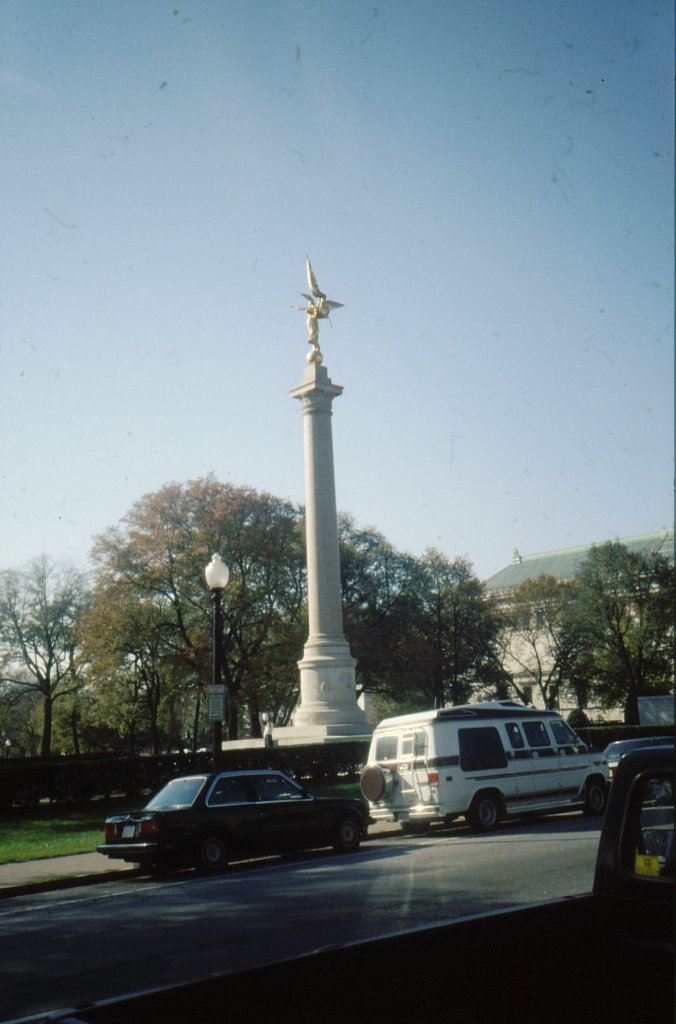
536	734
563	735
386	748
481	748
515	737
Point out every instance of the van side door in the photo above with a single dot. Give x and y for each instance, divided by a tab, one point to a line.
574	760
519	759
544	762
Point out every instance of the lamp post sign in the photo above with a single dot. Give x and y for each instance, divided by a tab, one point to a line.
216	701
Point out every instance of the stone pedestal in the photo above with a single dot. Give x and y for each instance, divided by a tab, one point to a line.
328	701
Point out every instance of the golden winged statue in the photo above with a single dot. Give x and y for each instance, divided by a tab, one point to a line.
318	308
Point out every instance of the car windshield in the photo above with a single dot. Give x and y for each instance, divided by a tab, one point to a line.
177	793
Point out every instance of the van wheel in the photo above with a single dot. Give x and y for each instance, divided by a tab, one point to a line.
595	797
212	855
347	836
484	814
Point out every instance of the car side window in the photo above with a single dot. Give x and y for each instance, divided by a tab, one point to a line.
653	829
536	734
276	787
228	791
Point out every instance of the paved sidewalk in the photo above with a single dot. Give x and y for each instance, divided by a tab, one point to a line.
89	868
58	872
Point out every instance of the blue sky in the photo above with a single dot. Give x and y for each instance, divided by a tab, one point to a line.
485	184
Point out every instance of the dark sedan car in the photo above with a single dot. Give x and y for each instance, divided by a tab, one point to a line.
614	752
206	820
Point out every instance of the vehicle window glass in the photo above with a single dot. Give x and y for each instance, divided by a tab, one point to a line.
481	748
563	735
228	791
536	734
515	737
653	838
663	741
413	744
177	793
276	787
386	748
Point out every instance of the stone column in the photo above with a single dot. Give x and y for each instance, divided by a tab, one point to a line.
327	670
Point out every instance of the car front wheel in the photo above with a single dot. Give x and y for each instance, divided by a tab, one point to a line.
212	855
347	836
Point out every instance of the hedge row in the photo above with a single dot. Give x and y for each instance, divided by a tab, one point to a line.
599	736
26	782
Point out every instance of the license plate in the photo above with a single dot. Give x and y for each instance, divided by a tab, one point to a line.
129	831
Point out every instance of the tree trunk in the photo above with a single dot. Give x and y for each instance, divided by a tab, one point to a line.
74	719
46	741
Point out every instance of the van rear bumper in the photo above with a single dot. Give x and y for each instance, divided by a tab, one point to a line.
419	812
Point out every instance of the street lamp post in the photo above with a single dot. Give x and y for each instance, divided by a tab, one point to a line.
217	576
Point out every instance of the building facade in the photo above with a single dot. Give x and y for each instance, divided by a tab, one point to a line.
529	643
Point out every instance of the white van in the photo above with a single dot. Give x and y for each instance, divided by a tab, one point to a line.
485	761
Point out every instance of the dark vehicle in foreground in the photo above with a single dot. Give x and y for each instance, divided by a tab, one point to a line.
206	820
603	955
614	752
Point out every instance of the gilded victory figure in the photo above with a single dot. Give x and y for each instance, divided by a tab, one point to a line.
318	308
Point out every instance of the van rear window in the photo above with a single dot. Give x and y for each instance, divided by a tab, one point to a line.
480	749
386	748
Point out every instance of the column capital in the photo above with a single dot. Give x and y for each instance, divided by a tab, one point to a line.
316	381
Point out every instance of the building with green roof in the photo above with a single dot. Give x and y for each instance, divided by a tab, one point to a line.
528	650
565	563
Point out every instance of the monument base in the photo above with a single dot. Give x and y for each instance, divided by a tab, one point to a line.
328	699
297	735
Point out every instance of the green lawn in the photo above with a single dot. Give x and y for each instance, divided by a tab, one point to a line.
59	831
53	831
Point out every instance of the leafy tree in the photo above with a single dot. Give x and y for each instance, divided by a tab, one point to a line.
156	558
40	607
458	628
538	647
378	592
624	618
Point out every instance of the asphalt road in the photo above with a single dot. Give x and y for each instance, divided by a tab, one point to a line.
64	949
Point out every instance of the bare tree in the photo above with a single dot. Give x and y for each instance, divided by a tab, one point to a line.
40	606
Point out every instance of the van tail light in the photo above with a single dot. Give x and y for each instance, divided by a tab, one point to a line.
149	827
108	831
433	778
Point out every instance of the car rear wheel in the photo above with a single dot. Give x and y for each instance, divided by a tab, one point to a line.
595	797
212	855
347	835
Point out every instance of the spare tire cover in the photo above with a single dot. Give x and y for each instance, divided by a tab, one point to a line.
374	781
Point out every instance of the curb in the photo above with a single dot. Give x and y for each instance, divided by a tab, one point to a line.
65	882
385	831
